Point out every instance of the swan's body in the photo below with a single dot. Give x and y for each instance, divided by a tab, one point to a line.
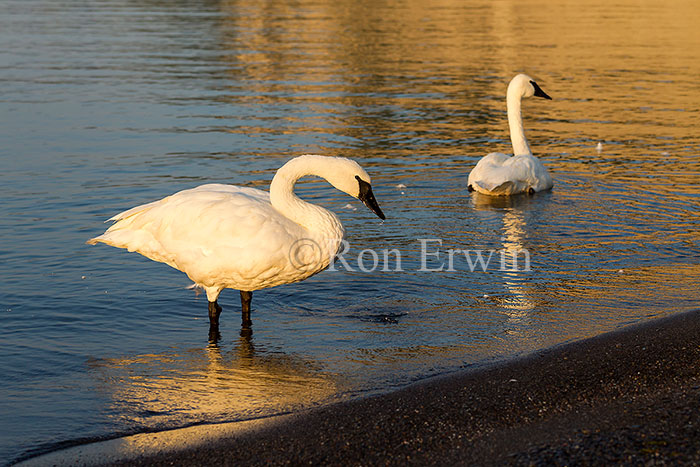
225	236
498	174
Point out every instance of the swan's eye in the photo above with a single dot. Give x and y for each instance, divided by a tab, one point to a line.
365	187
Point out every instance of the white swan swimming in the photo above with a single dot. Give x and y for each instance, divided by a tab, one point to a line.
225	236
500	175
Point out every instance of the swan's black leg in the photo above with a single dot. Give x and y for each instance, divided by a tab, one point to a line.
470	188
530	191
246	298
214	312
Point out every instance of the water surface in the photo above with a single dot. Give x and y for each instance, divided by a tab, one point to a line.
109	104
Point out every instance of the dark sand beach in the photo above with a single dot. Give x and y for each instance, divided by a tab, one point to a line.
630	396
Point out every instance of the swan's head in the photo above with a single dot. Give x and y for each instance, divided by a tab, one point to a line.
346	175
359	186
524	86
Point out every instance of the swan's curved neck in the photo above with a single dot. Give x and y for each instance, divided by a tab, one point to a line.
515	122
283	199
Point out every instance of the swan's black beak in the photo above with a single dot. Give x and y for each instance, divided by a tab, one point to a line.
539	92
367	197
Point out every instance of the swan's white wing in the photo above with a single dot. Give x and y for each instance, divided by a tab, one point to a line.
210	232
211	187
499	174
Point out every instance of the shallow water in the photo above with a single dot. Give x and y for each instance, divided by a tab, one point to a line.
109	104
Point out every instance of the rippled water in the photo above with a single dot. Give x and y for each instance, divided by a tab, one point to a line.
109	104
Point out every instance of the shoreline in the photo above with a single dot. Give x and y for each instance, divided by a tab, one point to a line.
630	395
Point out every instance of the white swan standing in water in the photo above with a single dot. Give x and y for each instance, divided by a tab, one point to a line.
225	236
500	175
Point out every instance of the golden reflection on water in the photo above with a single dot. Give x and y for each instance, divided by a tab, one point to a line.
514	258
416	91
428	77
209	385
421	85
517	259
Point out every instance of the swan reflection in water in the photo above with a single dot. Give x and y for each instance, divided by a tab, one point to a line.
518	302
211	384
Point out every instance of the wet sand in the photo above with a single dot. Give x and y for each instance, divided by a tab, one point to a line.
631	396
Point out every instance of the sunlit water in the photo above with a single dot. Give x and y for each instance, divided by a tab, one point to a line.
106	105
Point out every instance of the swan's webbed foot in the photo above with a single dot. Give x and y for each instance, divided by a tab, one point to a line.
246	298
214	312
470	188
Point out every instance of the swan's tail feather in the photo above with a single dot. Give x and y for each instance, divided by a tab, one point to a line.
105	237
123	239
133	211
131	233
139	241
504	188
